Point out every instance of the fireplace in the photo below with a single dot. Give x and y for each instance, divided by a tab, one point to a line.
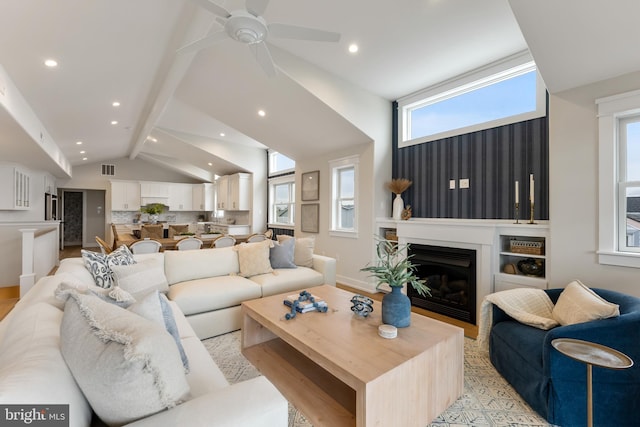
451	275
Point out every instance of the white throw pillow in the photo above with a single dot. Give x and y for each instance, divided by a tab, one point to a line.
141	278
303	253
577	304
253	258
127	367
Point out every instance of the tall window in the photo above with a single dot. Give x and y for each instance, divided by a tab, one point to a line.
619	179
282	208
281	189
506	92
629	184
344	189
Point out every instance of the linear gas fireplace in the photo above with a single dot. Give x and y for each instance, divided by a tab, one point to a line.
451	275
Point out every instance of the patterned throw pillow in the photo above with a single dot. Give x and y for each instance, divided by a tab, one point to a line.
99	265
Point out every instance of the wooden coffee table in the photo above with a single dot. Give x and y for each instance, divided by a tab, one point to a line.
337	370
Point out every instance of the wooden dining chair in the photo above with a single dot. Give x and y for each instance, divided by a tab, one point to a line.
189	243
104	246
152	231
145	246
256	238
223	242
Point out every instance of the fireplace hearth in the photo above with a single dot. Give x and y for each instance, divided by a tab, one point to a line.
451	275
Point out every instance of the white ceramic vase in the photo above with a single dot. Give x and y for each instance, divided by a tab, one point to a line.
398	207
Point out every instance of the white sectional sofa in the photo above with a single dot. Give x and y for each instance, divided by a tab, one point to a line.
34	372
205	285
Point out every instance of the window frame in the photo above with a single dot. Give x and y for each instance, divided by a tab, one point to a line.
335	166
624	183
272	157
610	111
497	72
290	180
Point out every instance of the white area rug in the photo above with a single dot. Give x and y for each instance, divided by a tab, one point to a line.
488	400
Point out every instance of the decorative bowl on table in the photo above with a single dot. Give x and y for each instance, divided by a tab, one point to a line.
531	267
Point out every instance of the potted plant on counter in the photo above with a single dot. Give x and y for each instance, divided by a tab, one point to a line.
154	210
394	267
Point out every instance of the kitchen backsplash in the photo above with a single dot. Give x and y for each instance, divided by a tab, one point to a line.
127	217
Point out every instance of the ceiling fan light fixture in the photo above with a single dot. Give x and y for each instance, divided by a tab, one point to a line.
246	28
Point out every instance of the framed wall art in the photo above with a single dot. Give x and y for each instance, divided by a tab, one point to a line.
310	186
309	217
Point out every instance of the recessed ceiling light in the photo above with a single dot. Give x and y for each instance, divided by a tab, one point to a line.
114	122
210	164
82	152
51	63
84	158
115	103
78	142
221	133
261	113
353	48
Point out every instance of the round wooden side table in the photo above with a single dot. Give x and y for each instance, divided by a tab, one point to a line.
592	354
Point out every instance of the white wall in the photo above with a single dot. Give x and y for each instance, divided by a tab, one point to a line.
573	196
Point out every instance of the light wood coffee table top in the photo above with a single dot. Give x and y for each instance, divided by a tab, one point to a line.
337	370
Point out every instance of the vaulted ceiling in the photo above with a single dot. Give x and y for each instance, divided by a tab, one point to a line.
175	107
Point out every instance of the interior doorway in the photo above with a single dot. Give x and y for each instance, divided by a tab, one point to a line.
72	218
82	217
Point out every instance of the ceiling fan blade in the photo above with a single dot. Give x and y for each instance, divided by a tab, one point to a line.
263	56
213	8
287	31
256	7
204	42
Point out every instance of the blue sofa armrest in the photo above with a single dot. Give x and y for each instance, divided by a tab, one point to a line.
614	390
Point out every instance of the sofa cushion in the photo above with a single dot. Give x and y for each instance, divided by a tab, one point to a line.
180	266
281	254
286	279
127	367
253	258
303	252
32	370
99	265
577	304
141	278
213	293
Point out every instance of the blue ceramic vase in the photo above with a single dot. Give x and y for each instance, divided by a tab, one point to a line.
396	308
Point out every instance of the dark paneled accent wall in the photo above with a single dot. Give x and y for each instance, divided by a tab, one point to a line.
278	231
491	159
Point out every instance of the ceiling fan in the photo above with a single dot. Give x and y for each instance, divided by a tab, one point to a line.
249	27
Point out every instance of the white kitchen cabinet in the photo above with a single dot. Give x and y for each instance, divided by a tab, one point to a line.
222	192
125	196
203	197
154	189
239	198
15	188
180	197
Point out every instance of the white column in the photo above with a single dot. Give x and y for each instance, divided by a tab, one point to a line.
28	276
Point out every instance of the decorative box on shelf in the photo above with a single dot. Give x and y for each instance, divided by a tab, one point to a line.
526	247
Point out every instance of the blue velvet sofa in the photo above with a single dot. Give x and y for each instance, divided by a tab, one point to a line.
555	385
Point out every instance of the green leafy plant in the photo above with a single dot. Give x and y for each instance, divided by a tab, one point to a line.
394	267
153	209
